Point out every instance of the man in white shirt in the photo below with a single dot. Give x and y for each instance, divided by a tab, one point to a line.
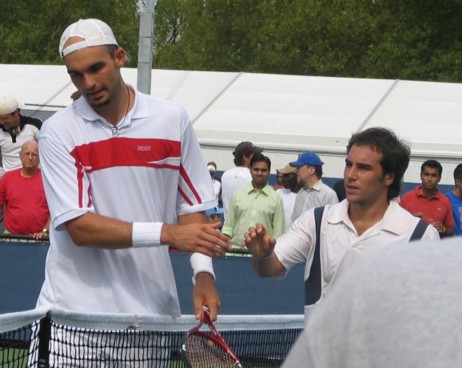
399	307
16	129
125	178
369	218
289	191
239	176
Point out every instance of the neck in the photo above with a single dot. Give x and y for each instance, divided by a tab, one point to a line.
310	182
428	192
364	216
258	186
118	108
29	172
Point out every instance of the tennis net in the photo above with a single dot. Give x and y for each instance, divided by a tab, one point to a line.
58	338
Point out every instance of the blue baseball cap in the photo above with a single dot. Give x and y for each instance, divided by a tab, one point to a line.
307	158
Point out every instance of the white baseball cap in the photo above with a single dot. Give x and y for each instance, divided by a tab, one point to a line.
93	32
8	105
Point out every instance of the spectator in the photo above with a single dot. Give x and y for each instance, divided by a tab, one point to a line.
289	192
279	179
314	193
339	189
125	178
239	176
22	196
375	165
399	307
455	197
255	203
427	202
212	166
16	130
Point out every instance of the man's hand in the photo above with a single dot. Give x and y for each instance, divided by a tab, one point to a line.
196	237
261	244
259	241
205	294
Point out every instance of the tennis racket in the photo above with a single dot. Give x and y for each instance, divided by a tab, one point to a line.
207	349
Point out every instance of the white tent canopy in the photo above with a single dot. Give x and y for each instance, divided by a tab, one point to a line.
282	113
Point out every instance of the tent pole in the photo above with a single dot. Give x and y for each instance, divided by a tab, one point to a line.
145	49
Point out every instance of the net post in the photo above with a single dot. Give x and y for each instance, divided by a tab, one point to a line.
44	336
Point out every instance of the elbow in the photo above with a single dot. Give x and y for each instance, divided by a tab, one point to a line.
78	239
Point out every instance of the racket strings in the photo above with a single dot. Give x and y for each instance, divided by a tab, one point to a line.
205	353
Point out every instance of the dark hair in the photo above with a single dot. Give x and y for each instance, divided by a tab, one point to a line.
433	164
259	157
395	153
458	172
318	171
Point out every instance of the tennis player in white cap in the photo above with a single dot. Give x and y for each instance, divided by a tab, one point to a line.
125	179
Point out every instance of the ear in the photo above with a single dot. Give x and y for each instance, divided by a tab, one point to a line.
388	179
120	57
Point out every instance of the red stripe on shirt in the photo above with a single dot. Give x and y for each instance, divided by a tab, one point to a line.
189	184
128	152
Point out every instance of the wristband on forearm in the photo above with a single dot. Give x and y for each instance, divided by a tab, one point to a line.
201	263
264	258
146	234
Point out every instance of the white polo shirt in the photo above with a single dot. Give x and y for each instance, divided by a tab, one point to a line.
339	237
151	170
11	145
231	180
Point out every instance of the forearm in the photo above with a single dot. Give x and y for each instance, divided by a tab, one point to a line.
100	232
268	266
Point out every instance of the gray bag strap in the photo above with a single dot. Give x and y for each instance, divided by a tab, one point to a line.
313	282
419	231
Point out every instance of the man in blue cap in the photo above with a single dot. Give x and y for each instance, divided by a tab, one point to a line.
314	192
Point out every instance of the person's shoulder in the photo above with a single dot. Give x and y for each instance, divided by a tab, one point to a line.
444	198
8	175
158	103
409	194
32	121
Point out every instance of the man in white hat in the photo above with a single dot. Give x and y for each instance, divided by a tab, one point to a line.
125	178
17	129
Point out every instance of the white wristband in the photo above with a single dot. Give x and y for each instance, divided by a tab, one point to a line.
201	263
146	234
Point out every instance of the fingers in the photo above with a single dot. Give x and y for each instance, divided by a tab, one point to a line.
206	294
201	238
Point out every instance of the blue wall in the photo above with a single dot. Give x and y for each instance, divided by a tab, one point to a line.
241	290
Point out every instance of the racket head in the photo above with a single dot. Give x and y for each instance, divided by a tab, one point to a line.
207	349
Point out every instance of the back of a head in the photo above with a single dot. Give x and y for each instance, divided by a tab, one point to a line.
396	306
244	149
395	153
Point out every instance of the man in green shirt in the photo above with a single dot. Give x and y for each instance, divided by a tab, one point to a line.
255	203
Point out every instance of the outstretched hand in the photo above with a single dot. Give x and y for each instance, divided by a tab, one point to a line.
259	241
197	237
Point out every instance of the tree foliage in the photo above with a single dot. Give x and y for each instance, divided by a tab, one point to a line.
392	39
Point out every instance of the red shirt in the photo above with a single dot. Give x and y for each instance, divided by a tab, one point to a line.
434	209
26	206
